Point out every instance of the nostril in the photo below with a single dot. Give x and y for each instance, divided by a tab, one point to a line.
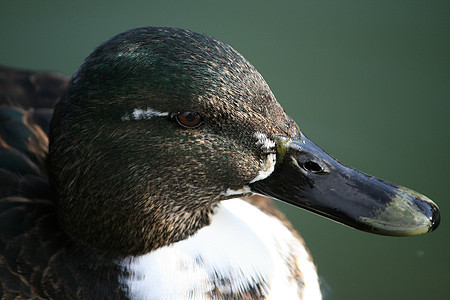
312	166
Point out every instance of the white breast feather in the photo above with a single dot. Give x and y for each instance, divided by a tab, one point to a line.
241	243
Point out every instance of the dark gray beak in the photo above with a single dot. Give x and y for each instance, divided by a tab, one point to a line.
307	177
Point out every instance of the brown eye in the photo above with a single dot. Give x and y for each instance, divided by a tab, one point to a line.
189	119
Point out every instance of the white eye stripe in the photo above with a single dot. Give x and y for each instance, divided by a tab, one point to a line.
141	114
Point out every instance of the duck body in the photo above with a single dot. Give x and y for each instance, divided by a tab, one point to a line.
151	181
246	252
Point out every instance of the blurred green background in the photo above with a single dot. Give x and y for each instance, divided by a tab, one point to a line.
368	81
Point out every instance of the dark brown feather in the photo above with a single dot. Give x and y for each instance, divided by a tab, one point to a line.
35	260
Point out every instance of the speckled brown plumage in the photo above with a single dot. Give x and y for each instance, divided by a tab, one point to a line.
104	169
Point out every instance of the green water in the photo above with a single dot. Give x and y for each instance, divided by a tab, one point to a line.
366	80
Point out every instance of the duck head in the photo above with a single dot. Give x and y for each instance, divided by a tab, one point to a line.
159	125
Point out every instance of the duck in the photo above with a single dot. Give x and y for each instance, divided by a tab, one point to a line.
150	174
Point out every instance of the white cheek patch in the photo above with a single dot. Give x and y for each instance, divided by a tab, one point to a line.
141	114
267	165
263	141
242	191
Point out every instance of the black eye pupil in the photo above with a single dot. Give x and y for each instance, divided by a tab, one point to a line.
190	117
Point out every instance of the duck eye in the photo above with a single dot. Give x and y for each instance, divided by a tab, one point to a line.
189	119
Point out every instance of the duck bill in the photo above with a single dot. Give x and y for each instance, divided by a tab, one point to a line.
307	177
